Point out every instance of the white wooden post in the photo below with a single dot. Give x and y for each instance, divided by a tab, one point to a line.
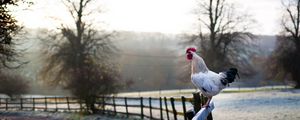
203	113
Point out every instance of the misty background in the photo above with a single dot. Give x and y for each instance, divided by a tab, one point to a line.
150	52
149	61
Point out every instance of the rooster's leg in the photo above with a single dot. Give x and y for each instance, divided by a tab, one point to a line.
206	105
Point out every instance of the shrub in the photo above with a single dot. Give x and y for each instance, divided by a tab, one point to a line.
13	85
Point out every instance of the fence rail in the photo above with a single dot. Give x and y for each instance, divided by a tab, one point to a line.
150	108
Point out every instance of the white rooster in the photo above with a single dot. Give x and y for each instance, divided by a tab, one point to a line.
209	82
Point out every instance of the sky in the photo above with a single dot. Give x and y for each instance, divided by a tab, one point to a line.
166	16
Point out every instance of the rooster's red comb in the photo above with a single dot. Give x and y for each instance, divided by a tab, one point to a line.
190	49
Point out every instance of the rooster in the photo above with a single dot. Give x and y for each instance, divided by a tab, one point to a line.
209	82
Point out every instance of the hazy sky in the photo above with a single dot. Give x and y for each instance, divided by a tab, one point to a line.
168	16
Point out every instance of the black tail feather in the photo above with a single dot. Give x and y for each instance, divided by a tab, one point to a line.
230	75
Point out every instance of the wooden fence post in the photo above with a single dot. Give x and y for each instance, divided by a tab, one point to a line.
150	107
126	107
21	103
46	106
197	102
114	105
142	108
166	105
203	99
56	109
6	103
174	109
68	103
184	107
80	104
103	104
160	107
33	104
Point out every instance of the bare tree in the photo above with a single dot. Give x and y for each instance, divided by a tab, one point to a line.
8	30
283	63
10	57
79	58
223	39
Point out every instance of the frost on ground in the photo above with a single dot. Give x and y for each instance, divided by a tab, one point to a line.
273	105
268	105
37	115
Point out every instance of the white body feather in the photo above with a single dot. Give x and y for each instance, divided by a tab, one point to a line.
207	81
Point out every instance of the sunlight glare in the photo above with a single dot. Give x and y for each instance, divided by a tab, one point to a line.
166	16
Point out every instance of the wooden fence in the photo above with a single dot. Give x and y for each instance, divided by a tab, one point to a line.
144	108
